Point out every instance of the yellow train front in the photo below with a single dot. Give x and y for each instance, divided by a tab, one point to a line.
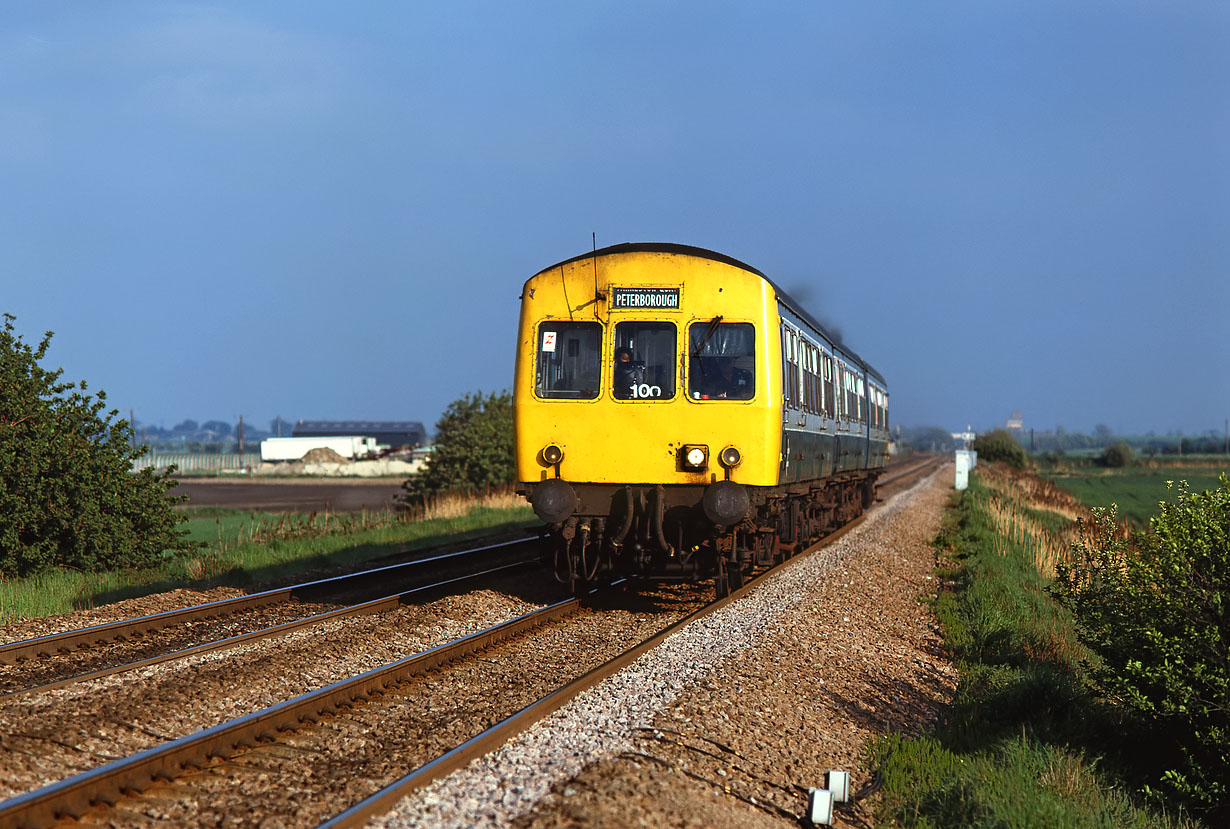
679	416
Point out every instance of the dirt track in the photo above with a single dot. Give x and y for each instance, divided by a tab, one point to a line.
299	495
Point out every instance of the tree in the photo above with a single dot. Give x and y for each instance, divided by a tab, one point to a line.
217	428
1000	446
68	495
473	448
187	427
928	439
1117	455
1155	607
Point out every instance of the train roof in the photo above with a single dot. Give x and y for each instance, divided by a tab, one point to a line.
702	253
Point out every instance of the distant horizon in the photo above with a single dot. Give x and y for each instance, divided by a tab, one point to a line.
263	424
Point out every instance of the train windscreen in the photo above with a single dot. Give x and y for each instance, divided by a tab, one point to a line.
568	358
722	360
645	358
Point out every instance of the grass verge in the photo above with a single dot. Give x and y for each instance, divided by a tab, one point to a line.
1025	743
246	549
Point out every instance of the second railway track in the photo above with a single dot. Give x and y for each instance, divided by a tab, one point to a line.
353	733
61	658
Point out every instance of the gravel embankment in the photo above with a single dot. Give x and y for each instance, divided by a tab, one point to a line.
720	726
50	735
729	721
305	778
32	673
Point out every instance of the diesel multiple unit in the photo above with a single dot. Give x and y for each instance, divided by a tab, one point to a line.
679	416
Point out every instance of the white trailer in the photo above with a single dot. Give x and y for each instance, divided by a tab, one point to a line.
292	449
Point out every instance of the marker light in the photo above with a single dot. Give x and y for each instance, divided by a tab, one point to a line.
730	457
552	454
695	457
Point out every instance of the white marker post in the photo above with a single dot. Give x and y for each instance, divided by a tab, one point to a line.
966	457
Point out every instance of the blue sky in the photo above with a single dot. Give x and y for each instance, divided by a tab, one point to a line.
326	210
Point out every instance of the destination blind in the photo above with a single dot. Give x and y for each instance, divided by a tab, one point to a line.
645	298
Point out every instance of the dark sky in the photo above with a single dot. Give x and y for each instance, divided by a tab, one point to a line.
322	210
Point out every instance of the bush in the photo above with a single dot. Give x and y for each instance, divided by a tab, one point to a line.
1155	607
1117	455
68	495
1000	446
473	449
1023	742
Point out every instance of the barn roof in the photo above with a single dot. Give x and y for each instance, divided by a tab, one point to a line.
412	430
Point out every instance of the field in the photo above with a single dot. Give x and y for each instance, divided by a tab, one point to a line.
1135	491
248	549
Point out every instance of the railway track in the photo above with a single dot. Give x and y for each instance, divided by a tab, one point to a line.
907	471
501	732
137	632
117	791
38	657
97	793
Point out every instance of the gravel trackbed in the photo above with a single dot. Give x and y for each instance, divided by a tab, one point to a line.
729	721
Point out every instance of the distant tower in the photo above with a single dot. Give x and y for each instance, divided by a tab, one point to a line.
1015	424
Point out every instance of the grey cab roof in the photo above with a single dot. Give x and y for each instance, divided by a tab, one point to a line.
689	250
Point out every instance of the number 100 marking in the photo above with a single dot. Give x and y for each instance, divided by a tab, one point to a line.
645	390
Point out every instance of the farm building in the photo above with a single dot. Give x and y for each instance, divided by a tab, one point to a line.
393	433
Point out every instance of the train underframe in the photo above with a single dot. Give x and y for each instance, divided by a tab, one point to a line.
689	532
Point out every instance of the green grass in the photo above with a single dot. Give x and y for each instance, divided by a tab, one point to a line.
1135	491
212	525
250	549
1024	743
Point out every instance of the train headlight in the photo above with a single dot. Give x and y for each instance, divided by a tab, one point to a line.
695	457
552	454
730	457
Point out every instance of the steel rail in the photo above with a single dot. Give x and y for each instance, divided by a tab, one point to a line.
99	634
74	796
363	608
500	733
503	731
923	467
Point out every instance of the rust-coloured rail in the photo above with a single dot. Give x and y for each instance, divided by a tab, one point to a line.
501	732
374	606
126	628
74	796
918	469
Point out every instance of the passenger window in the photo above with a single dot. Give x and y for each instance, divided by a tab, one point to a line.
830	397
645	357
568	358
721	360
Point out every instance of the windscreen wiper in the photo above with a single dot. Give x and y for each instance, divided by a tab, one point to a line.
709	332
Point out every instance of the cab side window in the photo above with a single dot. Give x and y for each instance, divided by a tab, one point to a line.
645	357
721	360
567	360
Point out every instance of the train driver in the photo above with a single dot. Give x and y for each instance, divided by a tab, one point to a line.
628	373
731	383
